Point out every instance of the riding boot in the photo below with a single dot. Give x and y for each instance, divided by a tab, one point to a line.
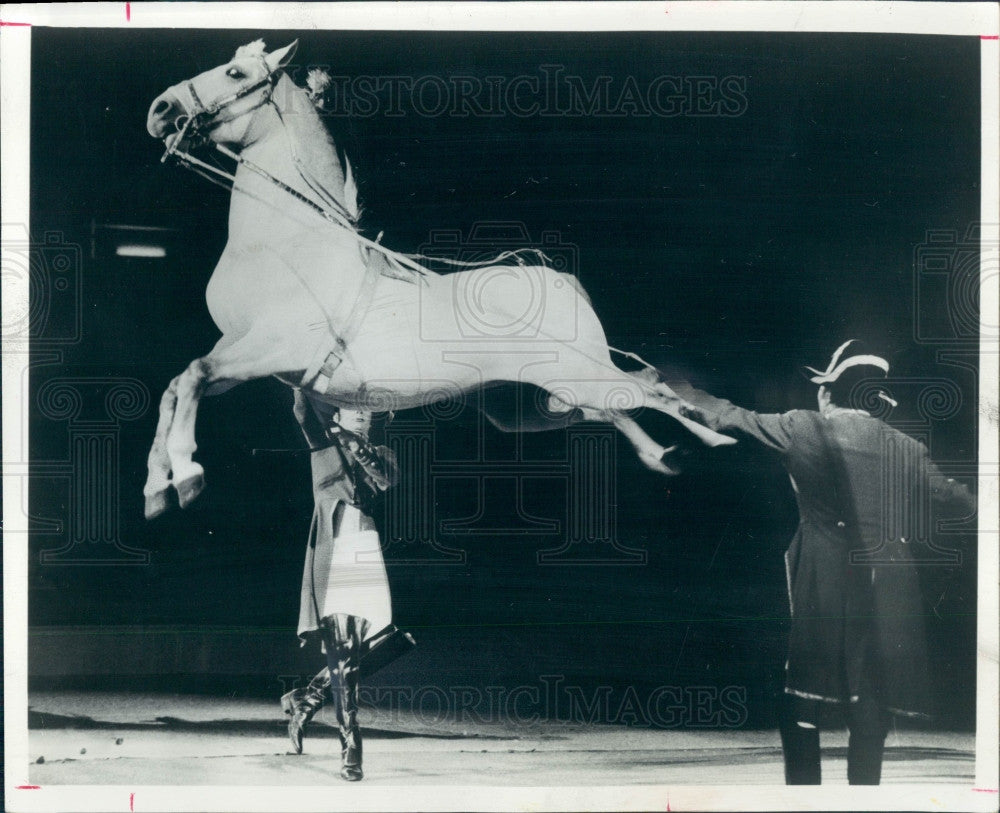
344	636
301	706
868	724
864	758
800	747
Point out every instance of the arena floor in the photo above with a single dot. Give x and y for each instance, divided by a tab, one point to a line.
162	739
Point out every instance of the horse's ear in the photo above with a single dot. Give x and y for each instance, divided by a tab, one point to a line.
280	58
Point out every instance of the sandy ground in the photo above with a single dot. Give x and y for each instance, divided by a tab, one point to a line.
95	738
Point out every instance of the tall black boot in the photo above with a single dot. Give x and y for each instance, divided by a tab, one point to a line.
864	758
344	636
800	747
301	706
868	724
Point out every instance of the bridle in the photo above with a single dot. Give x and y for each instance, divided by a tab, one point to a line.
205	118
193	127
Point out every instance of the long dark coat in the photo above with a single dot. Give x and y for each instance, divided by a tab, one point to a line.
862	489
344	571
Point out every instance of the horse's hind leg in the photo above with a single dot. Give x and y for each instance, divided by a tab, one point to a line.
587	378
157	492
585	375
651	453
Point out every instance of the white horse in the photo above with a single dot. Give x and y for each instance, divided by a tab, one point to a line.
300	294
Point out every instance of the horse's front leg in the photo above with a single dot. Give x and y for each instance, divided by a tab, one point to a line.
188	476
157	492
259	354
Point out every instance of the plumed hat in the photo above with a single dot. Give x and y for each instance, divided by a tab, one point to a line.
841	362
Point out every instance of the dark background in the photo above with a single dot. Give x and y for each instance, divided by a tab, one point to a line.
734	249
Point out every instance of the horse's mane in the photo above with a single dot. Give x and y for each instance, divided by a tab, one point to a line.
315	145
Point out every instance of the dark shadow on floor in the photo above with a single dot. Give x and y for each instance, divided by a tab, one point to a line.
728	756
245	728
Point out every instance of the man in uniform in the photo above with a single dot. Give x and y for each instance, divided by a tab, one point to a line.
857	637
345	593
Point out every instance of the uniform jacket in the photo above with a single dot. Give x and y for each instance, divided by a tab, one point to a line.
338	479
863	491
344	572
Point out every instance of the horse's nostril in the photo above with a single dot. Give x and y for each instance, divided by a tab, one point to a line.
162	107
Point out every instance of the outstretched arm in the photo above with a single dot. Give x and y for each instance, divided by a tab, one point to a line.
771	429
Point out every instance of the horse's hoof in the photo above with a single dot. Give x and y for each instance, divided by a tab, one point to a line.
660	465
722	440
159	503
709	437
189	489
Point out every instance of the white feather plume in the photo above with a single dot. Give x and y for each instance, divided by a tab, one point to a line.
251	49
318	81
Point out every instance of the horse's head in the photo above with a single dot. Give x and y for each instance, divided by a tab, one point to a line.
218	104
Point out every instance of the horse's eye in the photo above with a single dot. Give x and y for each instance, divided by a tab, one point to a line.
235	73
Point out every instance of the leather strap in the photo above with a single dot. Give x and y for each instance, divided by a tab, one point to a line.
321	371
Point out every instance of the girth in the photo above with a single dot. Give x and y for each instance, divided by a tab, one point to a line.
330	355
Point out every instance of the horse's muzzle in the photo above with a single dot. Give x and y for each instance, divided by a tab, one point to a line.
166	115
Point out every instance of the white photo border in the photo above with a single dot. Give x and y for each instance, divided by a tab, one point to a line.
958	19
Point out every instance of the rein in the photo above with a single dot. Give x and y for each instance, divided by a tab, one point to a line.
195	124
321	369
334	212
336	218
341	218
